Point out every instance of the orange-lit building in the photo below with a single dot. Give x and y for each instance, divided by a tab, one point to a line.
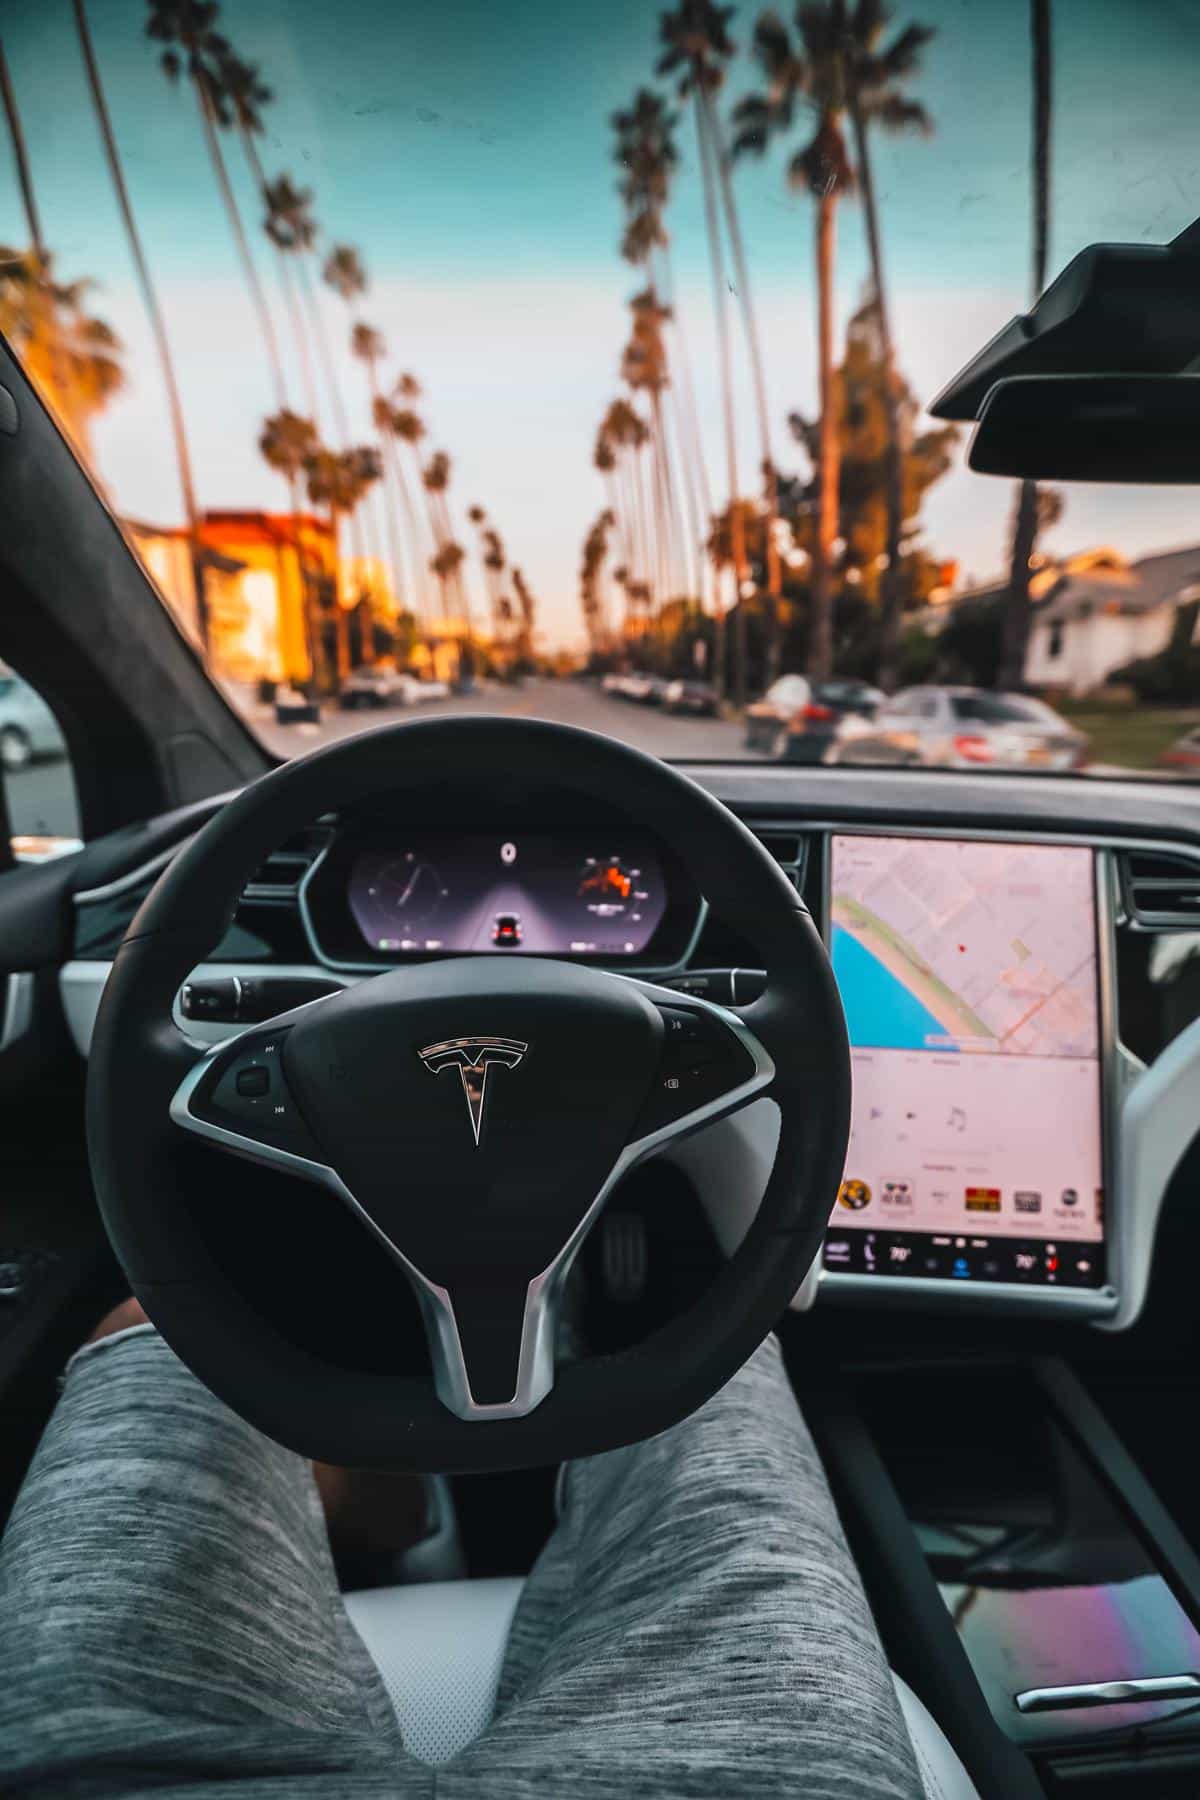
259	624
256	565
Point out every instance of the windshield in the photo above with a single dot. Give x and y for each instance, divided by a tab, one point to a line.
573	363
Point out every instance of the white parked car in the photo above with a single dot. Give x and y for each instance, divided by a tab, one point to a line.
28	729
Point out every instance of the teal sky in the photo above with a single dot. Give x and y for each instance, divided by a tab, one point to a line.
464	148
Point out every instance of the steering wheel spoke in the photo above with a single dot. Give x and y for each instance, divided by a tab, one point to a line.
238	1098
711	1064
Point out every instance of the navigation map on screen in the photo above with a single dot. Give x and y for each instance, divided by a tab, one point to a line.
968	973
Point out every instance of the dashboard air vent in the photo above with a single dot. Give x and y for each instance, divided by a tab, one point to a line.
276	881
788	847
1161	888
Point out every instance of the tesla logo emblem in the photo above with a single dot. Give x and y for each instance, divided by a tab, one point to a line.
473	1057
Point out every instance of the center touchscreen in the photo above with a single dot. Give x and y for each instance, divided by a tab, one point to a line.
969	976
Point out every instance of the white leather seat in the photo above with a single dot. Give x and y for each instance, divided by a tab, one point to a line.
439	1648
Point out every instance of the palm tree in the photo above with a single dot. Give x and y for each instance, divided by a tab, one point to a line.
245	95
1025	517
645	152
72	358
343	271
449	556
287	443
626	433
338	479
875	97
407	427
195	49
179	438
526	614
290	226
368	346
696	47
644	370
815	74
494	561
16	132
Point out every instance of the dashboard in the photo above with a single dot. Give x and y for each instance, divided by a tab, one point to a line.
1019	987
596	894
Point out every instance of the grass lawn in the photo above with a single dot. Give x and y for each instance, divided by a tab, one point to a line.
1130	736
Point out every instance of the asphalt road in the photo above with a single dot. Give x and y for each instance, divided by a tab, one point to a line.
567	702
41	798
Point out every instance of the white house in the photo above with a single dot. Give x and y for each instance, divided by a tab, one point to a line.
1095	612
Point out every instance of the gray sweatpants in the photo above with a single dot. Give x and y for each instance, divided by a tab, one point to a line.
170	1623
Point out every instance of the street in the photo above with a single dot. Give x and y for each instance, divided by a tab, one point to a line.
41	798
566	702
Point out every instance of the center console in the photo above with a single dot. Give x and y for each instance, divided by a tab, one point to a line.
1020	1564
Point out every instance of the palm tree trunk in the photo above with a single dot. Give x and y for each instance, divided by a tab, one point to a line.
892	595
1018	610
694	473
754	346
269	335
394	533
154	313
242	243
820	657
254	164
721	313
16	133
416	540
324	350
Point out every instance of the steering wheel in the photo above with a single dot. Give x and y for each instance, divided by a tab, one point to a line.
473	1113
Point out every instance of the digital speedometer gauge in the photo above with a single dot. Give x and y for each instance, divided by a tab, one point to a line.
557	896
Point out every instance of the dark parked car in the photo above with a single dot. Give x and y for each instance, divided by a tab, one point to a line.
698	697
798	720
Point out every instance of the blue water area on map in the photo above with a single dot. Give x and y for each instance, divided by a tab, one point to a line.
881	1013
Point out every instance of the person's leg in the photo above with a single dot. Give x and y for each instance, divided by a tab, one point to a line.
169	1617
696	1626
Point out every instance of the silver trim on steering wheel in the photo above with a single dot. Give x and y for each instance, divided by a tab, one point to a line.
535	1366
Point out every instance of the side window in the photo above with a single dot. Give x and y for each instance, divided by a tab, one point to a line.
39	783
927	707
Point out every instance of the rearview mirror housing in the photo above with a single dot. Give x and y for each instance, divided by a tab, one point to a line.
1130	309
1119	428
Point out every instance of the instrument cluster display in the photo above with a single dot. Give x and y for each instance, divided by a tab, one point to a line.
566	895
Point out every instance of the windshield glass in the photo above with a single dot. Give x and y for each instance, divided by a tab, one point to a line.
573	362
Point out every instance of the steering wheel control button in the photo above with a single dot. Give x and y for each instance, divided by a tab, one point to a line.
701	1062
246	1093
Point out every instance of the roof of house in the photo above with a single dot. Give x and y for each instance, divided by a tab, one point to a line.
1127	588
1100	581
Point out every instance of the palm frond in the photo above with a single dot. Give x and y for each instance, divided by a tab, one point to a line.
902	57
896	113
868	22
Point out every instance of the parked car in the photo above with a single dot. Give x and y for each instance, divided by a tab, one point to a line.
374	685
966	728
28	728
1183	754
801	721
418	690
294	708
698	697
